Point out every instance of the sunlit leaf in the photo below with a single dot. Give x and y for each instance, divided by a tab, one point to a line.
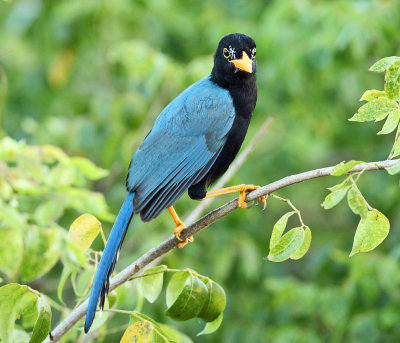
383	63
215	302
302	250
374	110
90	170
84	230
341	185
392	78
187	301
287	245
391	122
49	211
343	168
394	169
212	326
333	198
139	332
42	250
42	325
370	232
15	299
356	202
396	145
11	249
150	286
279	227
372	94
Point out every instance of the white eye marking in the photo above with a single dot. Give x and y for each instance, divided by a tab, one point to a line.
232	51
253	53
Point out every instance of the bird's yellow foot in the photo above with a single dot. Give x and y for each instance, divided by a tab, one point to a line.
180	226
242	189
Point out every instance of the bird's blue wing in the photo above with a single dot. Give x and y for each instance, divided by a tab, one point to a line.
186	139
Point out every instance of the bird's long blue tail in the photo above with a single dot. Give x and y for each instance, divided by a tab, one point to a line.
101	281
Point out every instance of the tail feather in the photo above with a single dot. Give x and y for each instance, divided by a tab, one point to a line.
108	260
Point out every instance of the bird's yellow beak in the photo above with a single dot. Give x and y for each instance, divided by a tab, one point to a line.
245	63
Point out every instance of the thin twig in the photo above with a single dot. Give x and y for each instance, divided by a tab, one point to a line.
236	164
199	225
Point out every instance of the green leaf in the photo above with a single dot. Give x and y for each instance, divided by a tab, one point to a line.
372	94
66	272
391	122
15	299
90	170
42	325
392	78
175	286
49	211
383	64
42	250
139	332
279	227
342	168
215	303
396	145
84	230
341	185
11	249
212	326
161	333
391	170
332	199
287	245
374	110
370	232
302	250
189	300
357	203
150	286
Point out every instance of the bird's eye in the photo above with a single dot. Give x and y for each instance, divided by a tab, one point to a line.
227	54
253	53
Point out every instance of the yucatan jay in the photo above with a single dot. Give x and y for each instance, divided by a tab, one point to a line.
192	143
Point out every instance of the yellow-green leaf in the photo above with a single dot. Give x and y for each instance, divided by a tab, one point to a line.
42	325
391	122
372	94
383	63
212	326
394	169
84	230
287	245
139	332
151	285
332	199
90	170
279	227
343	168
357	203
302	250
370	232
374	110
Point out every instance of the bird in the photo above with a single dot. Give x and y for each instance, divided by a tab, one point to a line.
192	143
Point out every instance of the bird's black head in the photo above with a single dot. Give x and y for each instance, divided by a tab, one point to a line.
234	60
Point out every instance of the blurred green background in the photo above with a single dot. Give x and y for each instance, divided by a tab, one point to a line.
91	77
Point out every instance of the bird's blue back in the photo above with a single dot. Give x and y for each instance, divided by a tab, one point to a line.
186	139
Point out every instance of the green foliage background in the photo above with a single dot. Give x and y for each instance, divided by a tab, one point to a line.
91	76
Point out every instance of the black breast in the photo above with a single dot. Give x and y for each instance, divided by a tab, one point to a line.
244	100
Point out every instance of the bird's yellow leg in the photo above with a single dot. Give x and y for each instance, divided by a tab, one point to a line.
242	189
180	226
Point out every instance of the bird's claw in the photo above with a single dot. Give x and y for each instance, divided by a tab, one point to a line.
242	196
177	232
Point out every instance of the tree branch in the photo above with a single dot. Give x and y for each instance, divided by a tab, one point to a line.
200	224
